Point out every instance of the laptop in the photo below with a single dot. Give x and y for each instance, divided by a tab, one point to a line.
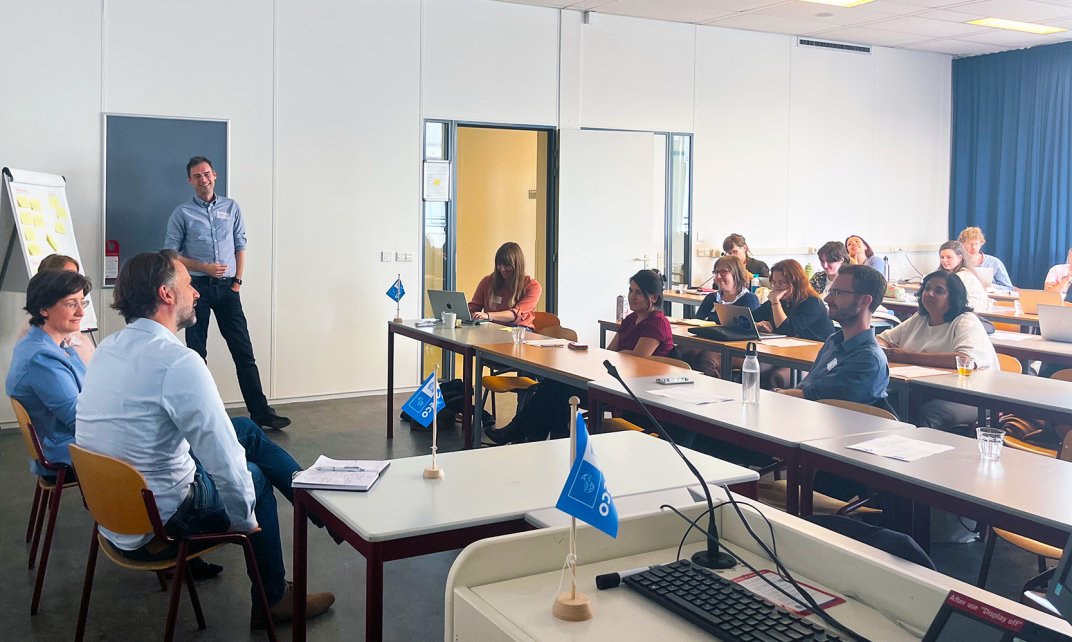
739	319
986	276
449	301
1055	322
1030	299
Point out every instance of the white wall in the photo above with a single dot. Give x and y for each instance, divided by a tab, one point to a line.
326	99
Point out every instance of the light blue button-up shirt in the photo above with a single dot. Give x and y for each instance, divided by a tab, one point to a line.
150	401
45	378
207	232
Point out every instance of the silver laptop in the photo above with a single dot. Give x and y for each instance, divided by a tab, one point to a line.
1055	322
449	301
740	318
986	276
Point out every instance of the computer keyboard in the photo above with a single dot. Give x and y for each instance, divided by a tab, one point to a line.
721	607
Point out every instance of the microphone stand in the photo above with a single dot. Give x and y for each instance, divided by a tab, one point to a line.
712	557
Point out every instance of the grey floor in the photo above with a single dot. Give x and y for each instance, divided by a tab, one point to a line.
130	605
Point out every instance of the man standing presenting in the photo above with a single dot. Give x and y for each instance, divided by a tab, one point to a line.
210	236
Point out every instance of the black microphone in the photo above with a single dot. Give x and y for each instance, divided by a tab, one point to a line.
712	557
709	280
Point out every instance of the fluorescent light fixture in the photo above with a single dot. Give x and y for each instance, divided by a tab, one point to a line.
1013	25
840	3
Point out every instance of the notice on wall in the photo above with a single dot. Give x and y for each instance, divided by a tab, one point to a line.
437	181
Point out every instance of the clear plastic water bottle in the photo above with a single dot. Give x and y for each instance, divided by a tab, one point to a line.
750	375
619	312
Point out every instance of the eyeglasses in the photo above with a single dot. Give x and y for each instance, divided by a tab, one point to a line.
837	292
73	305
722	272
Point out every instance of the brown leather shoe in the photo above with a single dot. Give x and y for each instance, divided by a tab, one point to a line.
283	610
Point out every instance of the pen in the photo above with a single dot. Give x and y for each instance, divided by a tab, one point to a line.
349	469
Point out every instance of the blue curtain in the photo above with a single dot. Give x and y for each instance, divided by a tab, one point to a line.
1012	154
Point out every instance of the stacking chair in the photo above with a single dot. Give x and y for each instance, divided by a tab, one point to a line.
1009	363
545	320
497	382
46	499
120	500
1041	551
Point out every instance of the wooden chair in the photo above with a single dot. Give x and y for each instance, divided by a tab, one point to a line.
1062	375
498	382
545	320
1041	551
558	332
1009	363
670	361
120	500
47	496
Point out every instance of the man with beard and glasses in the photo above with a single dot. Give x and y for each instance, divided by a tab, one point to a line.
850	366
151	402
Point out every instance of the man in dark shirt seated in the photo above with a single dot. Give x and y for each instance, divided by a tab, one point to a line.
850	366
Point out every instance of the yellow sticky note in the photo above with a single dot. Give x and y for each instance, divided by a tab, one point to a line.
54	201
61	213
39	220
23	201
26	217
30	234
35	204
34	249
60	228
52	242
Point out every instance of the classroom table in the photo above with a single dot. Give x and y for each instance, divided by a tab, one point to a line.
572	367
1022	492
1027	347
775	426
691	298
996	314
461	340
993	389
484	493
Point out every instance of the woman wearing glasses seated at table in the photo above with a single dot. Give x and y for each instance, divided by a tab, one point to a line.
644	333
82	345
793	308
944	328
732	283
951	258
507	295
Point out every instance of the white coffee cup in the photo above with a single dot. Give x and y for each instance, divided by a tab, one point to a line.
450	319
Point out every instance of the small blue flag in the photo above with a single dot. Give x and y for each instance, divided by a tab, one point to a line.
396	291
419	406
585	495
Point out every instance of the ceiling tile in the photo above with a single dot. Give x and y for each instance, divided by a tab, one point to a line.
925	27
771	24
866	36
955	47
695	11
898	8
1022	10
932	3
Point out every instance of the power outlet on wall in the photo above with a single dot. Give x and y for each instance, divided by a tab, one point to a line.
386	256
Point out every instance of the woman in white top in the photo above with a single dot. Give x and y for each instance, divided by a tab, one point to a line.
951	258
943	329
1058	276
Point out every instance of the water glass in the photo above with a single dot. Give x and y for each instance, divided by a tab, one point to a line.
450	319
965	365
519	334
990	441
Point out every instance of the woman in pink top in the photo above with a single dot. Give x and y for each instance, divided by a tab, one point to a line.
507	295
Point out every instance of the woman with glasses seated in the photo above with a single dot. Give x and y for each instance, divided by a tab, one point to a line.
943	329
507	295
731	282
793	308
83	346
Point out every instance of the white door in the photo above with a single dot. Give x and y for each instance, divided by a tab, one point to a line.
609	225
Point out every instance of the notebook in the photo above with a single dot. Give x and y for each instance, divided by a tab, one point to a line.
340	474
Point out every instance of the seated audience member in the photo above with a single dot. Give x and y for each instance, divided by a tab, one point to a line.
46	372
151	402
1057	277
951	258
860	253
735	245
973	241
507	295
793	308
82	345
850	365
645	332
731	282
943	329
832	255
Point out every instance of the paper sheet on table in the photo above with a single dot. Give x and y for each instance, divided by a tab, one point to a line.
911	372
1012	336
787	343
547	343
688	394
900	448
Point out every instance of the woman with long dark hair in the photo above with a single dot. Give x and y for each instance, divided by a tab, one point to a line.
507	295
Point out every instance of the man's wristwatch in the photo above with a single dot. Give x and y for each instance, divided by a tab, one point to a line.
236	280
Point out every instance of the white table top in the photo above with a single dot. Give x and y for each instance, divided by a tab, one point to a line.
777	418
466	335
1033	342
1029	485
490	485
1006	387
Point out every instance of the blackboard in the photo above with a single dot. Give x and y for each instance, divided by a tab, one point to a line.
145	175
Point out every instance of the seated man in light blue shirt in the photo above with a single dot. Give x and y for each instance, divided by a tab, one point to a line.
151	402
850	366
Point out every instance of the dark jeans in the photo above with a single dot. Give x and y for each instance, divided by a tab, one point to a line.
203	511
227	304
547	412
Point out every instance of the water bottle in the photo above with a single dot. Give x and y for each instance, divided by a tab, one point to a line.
619	312
886	268
809	270
750	375
755	283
